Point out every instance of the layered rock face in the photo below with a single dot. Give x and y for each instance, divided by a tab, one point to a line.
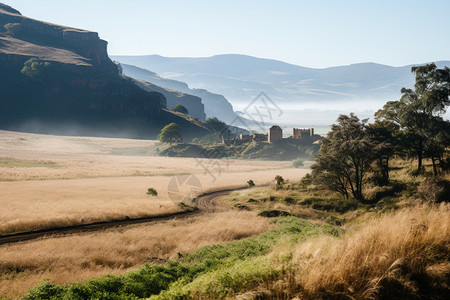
192	103
56	79
85	43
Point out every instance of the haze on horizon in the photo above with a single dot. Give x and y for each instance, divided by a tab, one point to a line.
314	34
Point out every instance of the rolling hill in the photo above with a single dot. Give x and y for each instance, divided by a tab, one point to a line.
310	95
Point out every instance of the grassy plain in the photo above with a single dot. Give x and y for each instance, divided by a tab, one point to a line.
60	181
48	181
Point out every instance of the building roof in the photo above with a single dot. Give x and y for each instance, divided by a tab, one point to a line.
275	127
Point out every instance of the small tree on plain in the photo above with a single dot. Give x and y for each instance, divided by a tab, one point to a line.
279	181
170	134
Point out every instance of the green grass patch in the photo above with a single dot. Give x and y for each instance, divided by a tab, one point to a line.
214	271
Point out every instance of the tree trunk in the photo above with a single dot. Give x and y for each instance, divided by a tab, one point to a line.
435	173
387	170
419	157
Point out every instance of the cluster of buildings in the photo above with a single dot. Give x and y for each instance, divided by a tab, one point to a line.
275	134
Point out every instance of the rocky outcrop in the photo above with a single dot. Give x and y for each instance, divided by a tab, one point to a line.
38	33
60	80
9	9
192	103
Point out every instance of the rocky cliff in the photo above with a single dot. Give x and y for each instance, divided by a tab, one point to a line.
192	103
56	79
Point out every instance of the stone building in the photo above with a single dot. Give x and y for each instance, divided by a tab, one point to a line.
302	133
275	134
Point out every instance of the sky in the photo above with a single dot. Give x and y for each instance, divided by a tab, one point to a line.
316	34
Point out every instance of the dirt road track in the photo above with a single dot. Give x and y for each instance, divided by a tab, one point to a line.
203	203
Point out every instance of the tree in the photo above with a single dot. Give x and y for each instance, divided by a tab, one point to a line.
279	182
35	69
384	135
419	110
217	126
344	157
180	108
220	130
170	134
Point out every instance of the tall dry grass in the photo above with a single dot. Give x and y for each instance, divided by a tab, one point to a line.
80	257
391	257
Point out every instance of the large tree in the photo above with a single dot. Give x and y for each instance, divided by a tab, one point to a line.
345	157
170	133
419	111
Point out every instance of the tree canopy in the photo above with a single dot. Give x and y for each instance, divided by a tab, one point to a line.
35	69
170	133
180	108
345	157
419	112
411	126
217	126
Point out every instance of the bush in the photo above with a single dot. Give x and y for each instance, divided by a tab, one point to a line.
250	183
306	181
279	182
152	191
180	108
435	189
297	163
35	69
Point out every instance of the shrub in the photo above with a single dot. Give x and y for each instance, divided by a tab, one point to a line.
297	163
279	182
152	191
180	108
306	180
435	189
35	69
250	183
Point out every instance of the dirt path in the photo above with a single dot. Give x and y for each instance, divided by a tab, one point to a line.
203	203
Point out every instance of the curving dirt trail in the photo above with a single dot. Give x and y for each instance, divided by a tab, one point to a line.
203	203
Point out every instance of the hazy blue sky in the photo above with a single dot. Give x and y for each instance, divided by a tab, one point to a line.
309	33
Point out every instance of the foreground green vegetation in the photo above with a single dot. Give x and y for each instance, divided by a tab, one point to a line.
214	271
394	248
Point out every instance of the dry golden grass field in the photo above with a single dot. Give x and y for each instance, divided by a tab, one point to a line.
48	181
83	256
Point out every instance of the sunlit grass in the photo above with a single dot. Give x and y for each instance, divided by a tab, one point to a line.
8	162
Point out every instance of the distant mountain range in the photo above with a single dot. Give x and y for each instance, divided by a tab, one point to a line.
239	78
57	79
